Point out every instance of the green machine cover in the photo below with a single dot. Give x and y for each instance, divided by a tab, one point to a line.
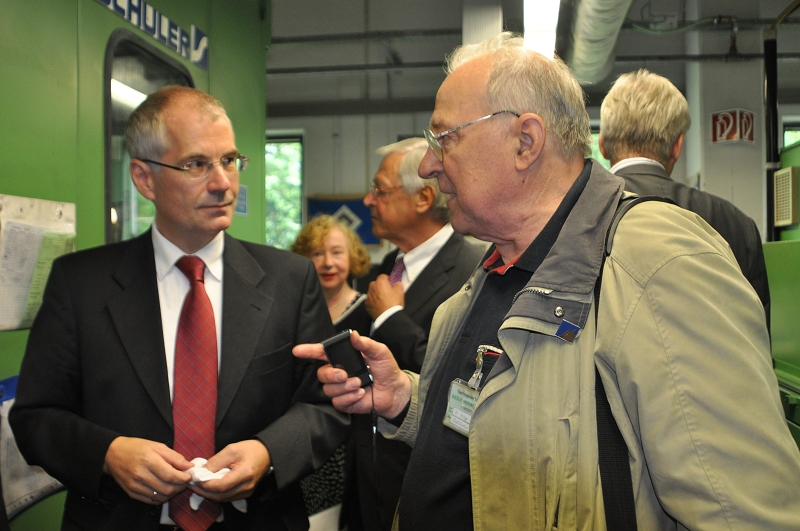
783	271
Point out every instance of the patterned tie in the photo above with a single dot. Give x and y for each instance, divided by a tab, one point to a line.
397	272
194	402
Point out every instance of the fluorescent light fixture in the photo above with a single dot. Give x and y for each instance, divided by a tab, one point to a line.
126	95
541	19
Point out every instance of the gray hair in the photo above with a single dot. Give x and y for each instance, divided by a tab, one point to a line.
643	115
522	80
146	132
413	150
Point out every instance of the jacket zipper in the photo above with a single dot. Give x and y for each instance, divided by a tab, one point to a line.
532	289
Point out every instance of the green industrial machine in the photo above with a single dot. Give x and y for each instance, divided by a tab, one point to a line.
783	267
783	270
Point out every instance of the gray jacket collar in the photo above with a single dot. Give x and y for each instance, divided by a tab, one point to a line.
573	264
644	169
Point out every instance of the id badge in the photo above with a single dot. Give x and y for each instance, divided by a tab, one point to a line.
460	406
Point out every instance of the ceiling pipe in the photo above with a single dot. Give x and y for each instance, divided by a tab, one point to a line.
596	25
638	59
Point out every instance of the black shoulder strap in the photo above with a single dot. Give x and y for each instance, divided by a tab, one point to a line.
615	470
626	203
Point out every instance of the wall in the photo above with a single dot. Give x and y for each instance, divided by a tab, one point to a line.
52	144
734	171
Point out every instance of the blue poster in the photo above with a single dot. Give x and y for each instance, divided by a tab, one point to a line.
349	210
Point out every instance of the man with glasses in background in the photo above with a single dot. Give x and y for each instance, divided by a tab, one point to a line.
151	353
431	263
503	419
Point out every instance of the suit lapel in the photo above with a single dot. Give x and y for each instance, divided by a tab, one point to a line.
388	263
136	315
433	277
244	314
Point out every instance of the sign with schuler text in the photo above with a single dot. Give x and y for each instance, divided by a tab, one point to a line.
191	44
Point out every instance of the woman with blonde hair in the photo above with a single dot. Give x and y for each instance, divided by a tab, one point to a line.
338	256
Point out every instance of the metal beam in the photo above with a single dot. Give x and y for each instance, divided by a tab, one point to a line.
349	107
370	36
701	57
440	64
353	68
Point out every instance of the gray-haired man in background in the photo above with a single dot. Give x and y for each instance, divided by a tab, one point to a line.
643	122
431	263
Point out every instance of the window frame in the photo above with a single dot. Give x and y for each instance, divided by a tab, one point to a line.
118	37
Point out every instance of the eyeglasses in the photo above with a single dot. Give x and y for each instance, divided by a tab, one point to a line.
378	191
433	139
199	169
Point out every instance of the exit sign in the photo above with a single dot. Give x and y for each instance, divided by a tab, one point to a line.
734	125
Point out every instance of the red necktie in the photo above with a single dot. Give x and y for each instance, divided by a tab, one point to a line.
397	272
194	402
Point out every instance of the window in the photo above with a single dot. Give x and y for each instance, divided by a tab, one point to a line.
791	133
284	190
133	70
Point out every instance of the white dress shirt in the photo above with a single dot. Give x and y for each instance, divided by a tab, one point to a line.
624	163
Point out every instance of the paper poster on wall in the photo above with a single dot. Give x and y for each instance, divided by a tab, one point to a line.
348	209
33	233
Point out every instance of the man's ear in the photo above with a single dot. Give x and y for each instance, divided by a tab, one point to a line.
425	198
141	176
532	135
675	152
602	146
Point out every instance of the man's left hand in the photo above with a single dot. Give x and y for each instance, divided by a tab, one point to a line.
248	460
382	295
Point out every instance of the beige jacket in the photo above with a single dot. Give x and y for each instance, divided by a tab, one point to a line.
683	351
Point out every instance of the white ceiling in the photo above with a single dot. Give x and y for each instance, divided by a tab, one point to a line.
368	56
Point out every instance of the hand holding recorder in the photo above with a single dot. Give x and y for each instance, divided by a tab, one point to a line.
390	389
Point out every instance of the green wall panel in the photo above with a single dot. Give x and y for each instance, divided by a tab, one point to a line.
782	259
232	77
37	98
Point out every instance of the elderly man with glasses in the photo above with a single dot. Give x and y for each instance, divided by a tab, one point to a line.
150	354
431	263
504	417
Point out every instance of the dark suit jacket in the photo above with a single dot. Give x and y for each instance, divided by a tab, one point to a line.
739	230
95	369
377	488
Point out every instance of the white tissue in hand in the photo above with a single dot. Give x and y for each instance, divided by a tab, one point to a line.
200	473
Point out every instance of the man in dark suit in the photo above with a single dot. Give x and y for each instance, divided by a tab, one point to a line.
643	120
412	214
94	405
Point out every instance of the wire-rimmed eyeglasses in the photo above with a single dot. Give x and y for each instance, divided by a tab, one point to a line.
433	139
199	169
377	191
